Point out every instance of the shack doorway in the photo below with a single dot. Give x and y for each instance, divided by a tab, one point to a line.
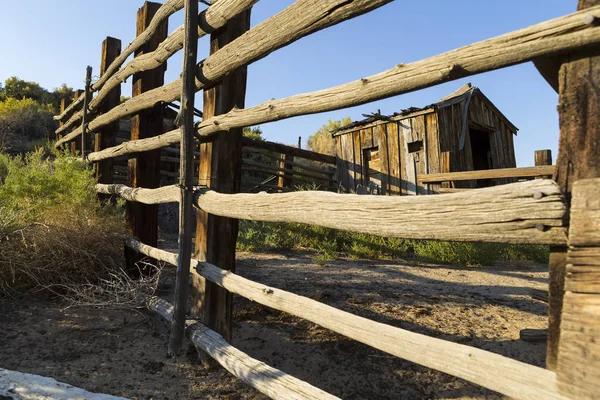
481	151
372	170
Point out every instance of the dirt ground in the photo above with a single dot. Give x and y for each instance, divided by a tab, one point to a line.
123	352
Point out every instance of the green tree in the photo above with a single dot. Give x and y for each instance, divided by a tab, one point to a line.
254	133
62	92
322	141
24	123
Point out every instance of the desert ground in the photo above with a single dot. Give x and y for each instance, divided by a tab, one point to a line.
123	352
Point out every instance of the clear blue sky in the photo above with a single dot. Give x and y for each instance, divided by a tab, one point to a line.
52	42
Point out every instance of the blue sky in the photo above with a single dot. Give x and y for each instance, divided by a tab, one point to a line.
52	42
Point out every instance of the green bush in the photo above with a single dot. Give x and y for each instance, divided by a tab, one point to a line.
329	243
54	233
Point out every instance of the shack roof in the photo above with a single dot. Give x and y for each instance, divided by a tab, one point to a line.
455	97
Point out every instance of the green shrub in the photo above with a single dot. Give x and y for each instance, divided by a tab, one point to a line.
54	233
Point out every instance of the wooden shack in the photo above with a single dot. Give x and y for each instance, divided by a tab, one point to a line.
464	131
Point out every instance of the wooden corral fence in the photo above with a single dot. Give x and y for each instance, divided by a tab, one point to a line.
563	213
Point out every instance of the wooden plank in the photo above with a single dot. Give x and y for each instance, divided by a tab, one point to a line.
144	168
421	158
293	151
358	159
287	179
533	335
298	20
408	173
557	36
524	212
433	149
502	374
393	147
578	367
380	139
215	235
106	137
75	144
186	178
274	383
579	156
523	172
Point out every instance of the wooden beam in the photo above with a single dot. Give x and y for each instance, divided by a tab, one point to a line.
282	148
270	381
524	212
106	137
578	155
186	175
556	36
578	366
75	144
525	172
221	160
144	169
300	19
502	374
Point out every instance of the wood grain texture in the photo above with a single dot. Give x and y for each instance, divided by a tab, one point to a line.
216	236
507	213
551	37
270	381
166	194
523	172
299	19
143	170
106	137
502	374
578	369
186	176
579	147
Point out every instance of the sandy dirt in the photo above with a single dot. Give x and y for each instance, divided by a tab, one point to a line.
123	352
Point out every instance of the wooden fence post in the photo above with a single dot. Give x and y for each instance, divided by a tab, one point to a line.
144	168
64	103
286	179
542	157
85	136
76	144
578	158
106	137
221	170
578	368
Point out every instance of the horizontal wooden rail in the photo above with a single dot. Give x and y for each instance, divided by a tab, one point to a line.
296	163
525	172
502	374
270	381
166	194
553	37
525	212
529	212
292	151
169	8
292	172
298	20
214	17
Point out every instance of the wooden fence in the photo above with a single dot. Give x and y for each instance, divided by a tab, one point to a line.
563	213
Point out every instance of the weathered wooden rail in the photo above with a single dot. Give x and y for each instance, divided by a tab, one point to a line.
561	214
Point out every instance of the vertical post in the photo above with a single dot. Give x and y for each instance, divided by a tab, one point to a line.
143	169
106	137
64	103
299	142
578	369
578	158
85	145
221	170
542	157
186	173
76	144
286	178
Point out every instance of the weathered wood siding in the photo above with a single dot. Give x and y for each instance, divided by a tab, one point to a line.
412	146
